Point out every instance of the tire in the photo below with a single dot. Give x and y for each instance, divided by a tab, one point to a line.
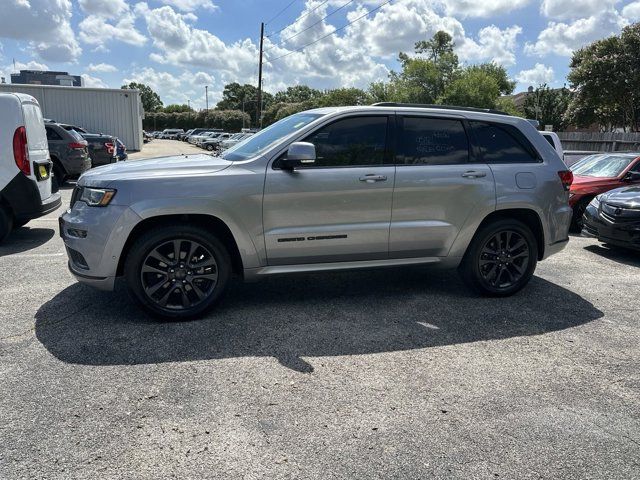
6	222
20	223
505	272
210	147
57	178
172	280
577	222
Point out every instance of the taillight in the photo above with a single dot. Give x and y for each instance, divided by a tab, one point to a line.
109	147
20	150
77	145
566	177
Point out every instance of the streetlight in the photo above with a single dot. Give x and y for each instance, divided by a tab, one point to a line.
206	97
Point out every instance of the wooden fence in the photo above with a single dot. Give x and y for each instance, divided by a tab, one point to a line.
600	142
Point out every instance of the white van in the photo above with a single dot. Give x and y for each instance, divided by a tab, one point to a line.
25	165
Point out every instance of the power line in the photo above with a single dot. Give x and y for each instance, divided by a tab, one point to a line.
332	33
281	12
313	25
299	18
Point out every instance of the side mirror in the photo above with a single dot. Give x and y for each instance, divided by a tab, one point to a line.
299	153
632	177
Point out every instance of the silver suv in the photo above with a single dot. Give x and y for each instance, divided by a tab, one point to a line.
326	189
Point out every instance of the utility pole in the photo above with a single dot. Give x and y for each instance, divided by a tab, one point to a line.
259	108
206	97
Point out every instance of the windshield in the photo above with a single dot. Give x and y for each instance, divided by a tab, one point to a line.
256	144
607	166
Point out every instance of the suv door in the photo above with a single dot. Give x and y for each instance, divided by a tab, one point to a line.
439	186
338	209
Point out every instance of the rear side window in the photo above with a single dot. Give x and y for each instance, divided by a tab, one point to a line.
34	125
352	142
550	140
432	141
52	134
499	143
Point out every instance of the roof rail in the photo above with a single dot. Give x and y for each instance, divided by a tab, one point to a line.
444	107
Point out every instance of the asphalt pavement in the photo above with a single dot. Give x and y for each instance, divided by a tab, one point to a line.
396	373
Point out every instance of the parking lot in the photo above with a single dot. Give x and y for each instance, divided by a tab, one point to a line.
378	374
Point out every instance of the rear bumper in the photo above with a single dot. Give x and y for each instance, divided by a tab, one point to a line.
48	205
76	165
23	196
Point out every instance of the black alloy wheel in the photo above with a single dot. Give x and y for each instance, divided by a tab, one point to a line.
177	272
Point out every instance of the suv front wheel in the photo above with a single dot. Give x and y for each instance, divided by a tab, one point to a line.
177	272
501	258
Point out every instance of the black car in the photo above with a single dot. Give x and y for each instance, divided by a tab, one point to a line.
102	148
614	217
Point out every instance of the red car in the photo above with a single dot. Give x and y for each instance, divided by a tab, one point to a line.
597	174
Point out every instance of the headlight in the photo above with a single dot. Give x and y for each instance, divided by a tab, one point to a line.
97	197
595	202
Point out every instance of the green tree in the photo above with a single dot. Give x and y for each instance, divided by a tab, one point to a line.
507	105
243	98
605	76
548	106
340	97
175	108
472	88
297	94
150	100
499	73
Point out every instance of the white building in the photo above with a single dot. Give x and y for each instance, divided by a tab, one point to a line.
98	110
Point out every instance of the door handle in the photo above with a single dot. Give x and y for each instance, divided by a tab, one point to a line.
474	174
373	178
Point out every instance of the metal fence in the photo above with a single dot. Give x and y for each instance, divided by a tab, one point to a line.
600	142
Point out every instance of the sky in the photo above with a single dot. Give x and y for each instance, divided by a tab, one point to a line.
179	46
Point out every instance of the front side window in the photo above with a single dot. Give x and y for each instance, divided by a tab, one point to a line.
499	143
432	141
356	141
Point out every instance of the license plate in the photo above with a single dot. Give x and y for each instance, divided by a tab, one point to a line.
44	173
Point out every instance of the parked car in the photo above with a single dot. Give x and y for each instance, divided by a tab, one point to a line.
197	138
182	136
171	133
233	140
214	142
614	217
25	166
195	131
121	151
597	174
102	148
69	153
326	189
146	137
157	134
554	141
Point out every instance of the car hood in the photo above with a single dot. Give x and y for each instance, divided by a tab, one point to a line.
623	197
160	167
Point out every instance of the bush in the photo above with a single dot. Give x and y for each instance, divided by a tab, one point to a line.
228	120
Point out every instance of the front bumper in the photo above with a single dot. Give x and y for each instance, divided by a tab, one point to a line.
623	234
94	238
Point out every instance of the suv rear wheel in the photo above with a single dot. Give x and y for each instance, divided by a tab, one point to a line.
501	258
177	272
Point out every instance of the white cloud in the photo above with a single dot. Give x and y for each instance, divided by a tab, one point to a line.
632	11
493	45
7	70
96	30
43	23
191	5
93	82
182	88
486	8
538	75
104	8
563	38
564	10
101	67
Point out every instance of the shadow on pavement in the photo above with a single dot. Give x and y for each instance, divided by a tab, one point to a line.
299	316
617	254
25	238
